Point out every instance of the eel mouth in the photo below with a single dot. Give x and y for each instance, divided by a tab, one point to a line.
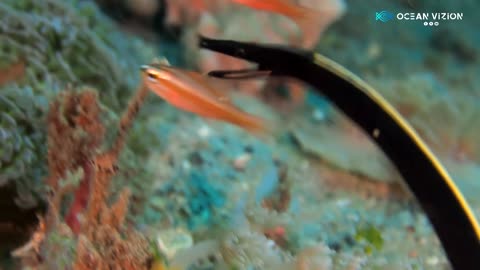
241	74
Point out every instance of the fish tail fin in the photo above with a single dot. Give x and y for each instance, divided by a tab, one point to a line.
328	11
199	5
314	21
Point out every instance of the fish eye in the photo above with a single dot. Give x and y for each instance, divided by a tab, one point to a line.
152	76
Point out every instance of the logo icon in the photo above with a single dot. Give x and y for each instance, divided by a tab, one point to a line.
383	16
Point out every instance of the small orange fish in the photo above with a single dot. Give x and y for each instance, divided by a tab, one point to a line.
302	16
190	91
284	7
310	21
199	5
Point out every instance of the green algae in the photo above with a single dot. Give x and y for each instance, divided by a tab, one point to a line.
372	236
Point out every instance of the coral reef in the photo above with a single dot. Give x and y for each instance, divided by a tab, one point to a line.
59	46
92	235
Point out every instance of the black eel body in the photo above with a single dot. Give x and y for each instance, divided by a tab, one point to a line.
441	200
446	208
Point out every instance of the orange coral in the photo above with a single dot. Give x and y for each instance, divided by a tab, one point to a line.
75	134
69	116
102	245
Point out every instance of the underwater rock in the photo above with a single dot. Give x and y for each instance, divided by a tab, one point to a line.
343	150
173	240
451	41
315	257
202	255
241	161
447	121
245	249
62	43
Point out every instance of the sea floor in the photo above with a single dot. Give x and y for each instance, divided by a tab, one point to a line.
317	194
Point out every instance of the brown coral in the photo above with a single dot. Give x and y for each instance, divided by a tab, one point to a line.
280	200
104	244
74	132
95	230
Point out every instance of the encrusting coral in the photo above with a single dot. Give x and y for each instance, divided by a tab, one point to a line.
92	235
53	44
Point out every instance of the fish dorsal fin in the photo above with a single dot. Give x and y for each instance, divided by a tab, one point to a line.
219	95
201	84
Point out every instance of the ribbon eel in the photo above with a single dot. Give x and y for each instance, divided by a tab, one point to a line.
449	213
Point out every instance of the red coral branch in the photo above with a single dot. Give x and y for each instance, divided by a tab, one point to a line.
80	199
